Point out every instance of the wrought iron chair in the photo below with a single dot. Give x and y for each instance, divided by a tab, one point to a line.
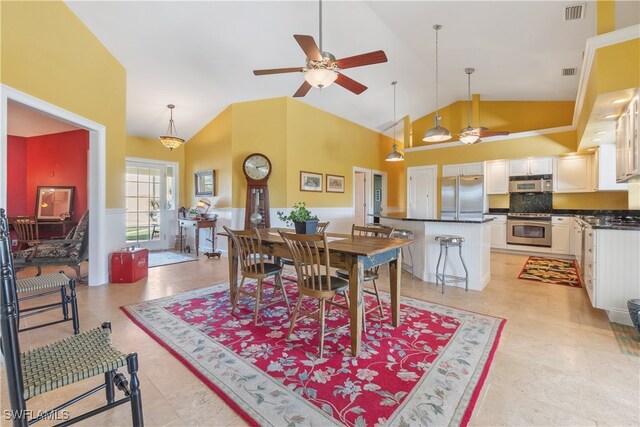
71	251
321	228
310	254
60	363
370	275
248	245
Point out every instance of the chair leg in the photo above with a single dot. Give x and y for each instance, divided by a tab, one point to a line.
258	301
136	396
64	302
296	311
284	293
109	389
321	308
77	270
237	298
444	267
438	267
74	307
375	288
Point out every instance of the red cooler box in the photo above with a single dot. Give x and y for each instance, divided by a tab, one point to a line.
129	266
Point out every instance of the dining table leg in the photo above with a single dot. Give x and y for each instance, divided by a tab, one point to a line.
356	274
233	268
395	279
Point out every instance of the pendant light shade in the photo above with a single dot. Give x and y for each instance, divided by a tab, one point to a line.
437	133
171	140
394	155
469	135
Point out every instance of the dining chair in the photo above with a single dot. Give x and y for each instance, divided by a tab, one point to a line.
370	275
60	363
310	255
321	228
248	246
26	227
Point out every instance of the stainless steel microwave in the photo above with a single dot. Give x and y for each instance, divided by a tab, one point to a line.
531	186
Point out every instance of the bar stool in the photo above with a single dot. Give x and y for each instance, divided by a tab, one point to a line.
405	234
447	242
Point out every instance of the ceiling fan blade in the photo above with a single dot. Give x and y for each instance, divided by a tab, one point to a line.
350	84
486	134
359	60
302	90
277	71
309	46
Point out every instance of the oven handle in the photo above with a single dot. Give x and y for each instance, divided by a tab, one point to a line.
520	222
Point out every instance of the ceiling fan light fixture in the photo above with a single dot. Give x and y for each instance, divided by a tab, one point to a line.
437	133
171	140
320	77
469	135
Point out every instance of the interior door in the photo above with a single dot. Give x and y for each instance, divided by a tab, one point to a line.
360	199
421	188
150	205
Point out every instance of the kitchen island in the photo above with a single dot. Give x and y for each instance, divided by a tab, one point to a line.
425	249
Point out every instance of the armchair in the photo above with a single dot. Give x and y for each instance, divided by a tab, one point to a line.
71	251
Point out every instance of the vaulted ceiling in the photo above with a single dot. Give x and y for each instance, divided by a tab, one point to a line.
200	55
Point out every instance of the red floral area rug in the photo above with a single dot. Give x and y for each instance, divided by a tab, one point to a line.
551	270
427	371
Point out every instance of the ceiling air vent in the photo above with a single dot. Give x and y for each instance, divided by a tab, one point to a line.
574	12
569	71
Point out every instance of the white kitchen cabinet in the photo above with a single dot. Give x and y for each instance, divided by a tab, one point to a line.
498	230
627	142
466	169
588	263
496	179
572	174
576	239
533	166
560	234
604	170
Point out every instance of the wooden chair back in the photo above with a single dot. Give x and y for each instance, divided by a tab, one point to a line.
322	227
26	227
359	230
249	247
310	255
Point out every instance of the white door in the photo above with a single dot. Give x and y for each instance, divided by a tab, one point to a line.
422	192
150	203
360	199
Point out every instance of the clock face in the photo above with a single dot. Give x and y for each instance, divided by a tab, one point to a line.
257	167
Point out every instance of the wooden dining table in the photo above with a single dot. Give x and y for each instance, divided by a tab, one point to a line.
352	253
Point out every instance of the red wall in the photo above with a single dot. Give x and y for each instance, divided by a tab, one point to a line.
17	177
49	160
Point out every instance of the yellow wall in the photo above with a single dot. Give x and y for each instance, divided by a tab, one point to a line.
606	16
210	148
47	52
509	116
152	149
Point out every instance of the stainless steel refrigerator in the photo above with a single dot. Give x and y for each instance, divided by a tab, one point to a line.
462	197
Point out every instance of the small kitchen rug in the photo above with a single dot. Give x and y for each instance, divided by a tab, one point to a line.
157	259
551	270
628	339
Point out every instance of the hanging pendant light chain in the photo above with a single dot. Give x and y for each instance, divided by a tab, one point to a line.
437	28
469	99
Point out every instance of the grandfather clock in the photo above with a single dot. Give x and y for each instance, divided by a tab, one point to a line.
257	168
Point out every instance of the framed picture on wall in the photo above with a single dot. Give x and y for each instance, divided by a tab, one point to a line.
335	184
54	202
310	181
205	183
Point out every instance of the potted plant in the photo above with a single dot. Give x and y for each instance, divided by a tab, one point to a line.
301	218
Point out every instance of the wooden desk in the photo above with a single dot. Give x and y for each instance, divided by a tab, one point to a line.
196	225
352	253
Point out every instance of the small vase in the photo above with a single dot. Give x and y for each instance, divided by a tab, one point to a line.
306	227
633	305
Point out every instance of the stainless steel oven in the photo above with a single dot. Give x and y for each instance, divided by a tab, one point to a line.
529	229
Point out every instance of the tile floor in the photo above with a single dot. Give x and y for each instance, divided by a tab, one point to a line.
557	363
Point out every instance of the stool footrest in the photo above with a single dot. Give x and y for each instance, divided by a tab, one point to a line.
450	278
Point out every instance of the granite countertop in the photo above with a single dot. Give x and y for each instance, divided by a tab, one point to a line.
402	216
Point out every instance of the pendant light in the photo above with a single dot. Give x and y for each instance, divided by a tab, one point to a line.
469	135
437	133
394	156
171	140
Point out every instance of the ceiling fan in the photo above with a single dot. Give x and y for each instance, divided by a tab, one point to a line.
472	135
322	68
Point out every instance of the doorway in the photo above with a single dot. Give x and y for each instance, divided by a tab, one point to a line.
99	247
421	192
150	202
